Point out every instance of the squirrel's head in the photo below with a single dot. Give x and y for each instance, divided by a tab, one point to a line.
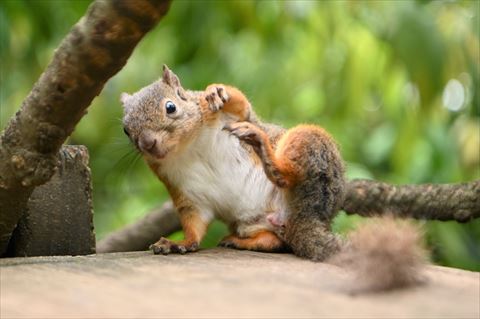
161	117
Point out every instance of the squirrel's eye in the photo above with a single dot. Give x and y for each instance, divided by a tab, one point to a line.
170	107
126	132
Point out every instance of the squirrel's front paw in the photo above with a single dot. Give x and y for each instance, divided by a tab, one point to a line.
216	96
247	132
166	246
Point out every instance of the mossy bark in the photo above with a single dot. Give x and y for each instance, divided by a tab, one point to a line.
96	48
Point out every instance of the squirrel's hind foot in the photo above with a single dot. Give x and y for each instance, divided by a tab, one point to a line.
264	241
166	246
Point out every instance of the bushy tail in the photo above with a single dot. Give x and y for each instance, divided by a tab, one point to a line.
383	254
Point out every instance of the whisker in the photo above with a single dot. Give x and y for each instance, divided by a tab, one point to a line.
137	156
126	156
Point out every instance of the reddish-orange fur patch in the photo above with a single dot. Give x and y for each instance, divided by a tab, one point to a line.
262	241
291	149
194	228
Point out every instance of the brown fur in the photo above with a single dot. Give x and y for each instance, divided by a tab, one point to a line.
306	163
145	115
383	254
194	228
158	134
311	238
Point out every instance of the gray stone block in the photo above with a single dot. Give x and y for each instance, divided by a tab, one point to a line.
59	219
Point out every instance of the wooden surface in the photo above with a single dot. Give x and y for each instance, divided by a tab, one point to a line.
217	283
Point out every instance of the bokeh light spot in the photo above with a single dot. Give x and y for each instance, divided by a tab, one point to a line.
453	95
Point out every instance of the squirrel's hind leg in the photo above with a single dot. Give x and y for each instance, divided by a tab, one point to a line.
264	241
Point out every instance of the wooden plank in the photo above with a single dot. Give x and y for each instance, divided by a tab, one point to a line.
217	283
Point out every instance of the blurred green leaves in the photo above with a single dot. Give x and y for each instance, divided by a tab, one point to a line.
373	73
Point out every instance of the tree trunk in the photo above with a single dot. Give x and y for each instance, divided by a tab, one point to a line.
59	216
96	48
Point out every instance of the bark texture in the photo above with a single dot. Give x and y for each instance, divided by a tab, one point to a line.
459	202
138	236
59	217
96	48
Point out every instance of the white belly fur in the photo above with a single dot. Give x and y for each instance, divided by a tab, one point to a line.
217	174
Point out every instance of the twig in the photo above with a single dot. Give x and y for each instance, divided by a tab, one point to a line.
162	221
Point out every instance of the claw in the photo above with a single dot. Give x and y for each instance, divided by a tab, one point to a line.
222	94
157	249
216	97
165	246
226	244
192	247
180	249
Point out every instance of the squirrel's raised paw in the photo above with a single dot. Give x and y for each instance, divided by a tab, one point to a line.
216	96
247	132
165	246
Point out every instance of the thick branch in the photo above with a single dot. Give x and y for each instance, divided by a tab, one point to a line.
138	236
459	202
96	48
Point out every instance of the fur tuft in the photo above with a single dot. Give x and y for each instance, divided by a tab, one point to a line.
384	254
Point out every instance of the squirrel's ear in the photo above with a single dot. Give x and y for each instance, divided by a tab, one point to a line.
170	78
124	97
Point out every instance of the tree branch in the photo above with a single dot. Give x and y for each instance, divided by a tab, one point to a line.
459	202
96	48
160	222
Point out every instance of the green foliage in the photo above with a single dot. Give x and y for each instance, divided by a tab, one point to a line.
396	82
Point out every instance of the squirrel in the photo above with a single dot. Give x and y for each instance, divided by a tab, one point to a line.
218	160
276	189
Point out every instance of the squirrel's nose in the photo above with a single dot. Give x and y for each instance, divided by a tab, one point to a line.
147	142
